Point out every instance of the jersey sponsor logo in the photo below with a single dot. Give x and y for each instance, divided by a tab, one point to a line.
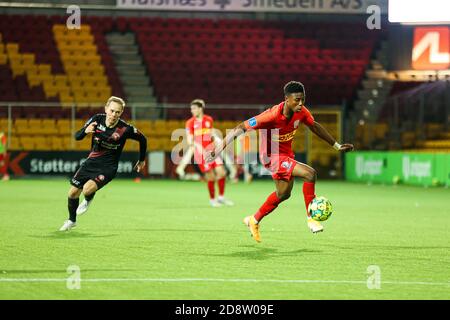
252	122
431	49
202	131
101	127
284	137
109	146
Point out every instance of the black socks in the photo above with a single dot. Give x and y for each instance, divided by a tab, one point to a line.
73	205
89	197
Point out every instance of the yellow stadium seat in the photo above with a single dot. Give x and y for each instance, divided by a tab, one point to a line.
44	68
28	58
79	123
41	143
14	144
21	127
27	142
12	48
57	144
84	144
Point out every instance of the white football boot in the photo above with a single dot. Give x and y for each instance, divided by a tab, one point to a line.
83	207
68	224
314	225
224	201
214	203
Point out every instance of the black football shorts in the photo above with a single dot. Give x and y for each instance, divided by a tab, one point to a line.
89	171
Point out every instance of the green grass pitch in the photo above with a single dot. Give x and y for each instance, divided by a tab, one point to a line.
161	240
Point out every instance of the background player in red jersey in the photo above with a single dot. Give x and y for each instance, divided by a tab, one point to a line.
201	137
285	118
3	156
109	135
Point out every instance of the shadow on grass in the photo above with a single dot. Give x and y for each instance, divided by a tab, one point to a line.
72	234
262	253
179	230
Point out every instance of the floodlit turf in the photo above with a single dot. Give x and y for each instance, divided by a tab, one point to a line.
161	240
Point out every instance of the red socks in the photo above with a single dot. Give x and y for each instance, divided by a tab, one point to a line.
271	203
211	189
308	193
221	184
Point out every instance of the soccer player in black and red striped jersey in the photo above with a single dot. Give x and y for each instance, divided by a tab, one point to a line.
109	134
276	147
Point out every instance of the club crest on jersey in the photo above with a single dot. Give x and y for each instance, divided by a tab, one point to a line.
287	165
252	122
207	124
115	136
296	123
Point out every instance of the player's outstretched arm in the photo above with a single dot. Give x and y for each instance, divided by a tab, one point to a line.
322	133
138	136
229	138
83	132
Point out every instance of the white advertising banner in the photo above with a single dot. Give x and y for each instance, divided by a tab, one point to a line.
288	6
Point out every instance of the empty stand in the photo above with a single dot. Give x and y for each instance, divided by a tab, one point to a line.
222	61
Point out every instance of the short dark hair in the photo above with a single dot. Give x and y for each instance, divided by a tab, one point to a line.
294	87
198	102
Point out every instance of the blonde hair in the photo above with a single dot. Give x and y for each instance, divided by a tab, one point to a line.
198	102
116	99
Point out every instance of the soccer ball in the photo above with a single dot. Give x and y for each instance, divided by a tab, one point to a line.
320	208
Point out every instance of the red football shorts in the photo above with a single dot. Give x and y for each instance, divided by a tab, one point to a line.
281	167
205	167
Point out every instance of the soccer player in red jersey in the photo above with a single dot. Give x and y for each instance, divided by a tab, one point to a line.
285	118
200	136
3	154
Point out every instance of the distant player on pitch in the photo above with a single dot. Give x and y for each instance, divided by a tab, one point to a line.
199	130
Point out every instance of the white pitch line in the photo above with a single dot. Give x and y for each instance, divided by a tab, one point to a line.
221	280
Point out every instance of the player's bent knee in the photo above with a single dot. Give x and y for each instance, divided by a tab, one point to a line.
311	176
74	193
89	188
220	175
